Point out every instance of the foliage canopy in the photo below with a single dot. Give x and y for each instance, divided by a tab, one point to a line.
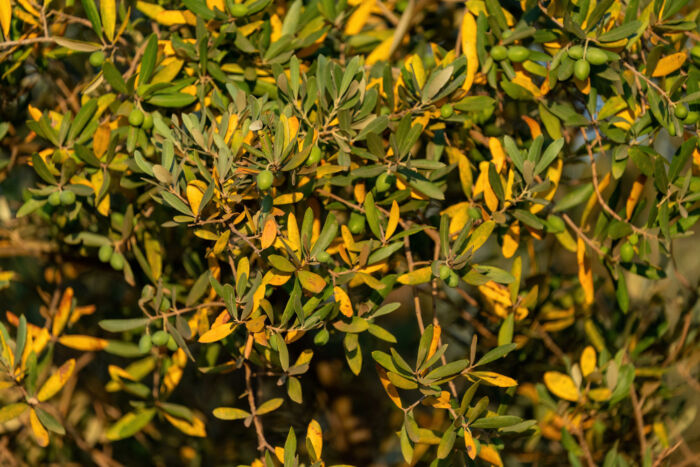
314	232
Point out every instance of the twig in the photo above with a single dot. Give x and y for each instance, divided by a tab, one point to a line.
262	442
639	419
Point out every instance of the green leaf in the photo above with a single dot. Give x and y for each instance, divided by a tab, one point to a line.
93	15
148	61
495	354
497	421
130	424
121	325
575	197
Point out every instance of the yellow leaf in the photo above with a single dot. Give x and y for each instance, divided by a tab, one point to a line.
535	129
216	5
56	381
40	433
359	192
195	193
585	274
480	235
561	385
553	174
243	269
315	437
394	216
381	52
495	379
5	17
293	233
511	240
389	387
419	276
635	194
195	428
469	443
359	17
84	343
435	341
342	298
669	64
108	11
415	65
311	281
497	153
588	361
469	49
489	454
276	25
12	411
63	312
269	233
100	141
600	394
217	333
288	198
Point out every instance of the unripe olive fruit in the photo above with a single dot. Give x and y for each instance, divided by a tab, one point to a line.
165	304
626	252
445	272
446	111
596	56
555	224
265	179
692	118
518	53
453	280
356	224
680	111
238	10
575	52
172	345
147	123
145	343
581	69
499	53
97	58
160	337
385	180
314	156
633	239
323	257
135	117
67	197
55	198
474	213
105	253
117	261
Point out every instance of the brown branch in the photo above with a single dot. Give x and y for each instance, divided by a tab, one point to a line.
262	442
639	420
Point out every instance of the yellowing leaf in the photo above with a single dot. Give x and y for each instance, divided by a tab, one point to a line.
194	428
600	394
511	240
669	64
561	385
5	17
217	333
269	233
480	235
419	276
497	153
489	454
84	343
380	53
635	194
63	312
229	413
588	361
359	17
315	437
342	298
585	274
389	387
469	443
288	198
195	195
108	11
394	216
494	379
130	424
12	411
40	433
311	281
469	49
100	140
56	381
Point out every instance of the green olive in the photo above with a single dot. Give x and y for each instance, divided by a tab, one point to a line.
692	118
453	280
145	343
117	261
172	345
555	224
680	111
105	253
67	197
582	69
147	123
135	117
265	179
446	111
97	58
633	239
626	252
445	272
237	10
596	56
356	224
385	181
499	53
314	156
323	257
575	52
518	53
55	198
160	337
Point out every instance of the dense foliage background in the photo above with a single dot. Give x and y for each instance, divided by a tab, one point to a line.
362	232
